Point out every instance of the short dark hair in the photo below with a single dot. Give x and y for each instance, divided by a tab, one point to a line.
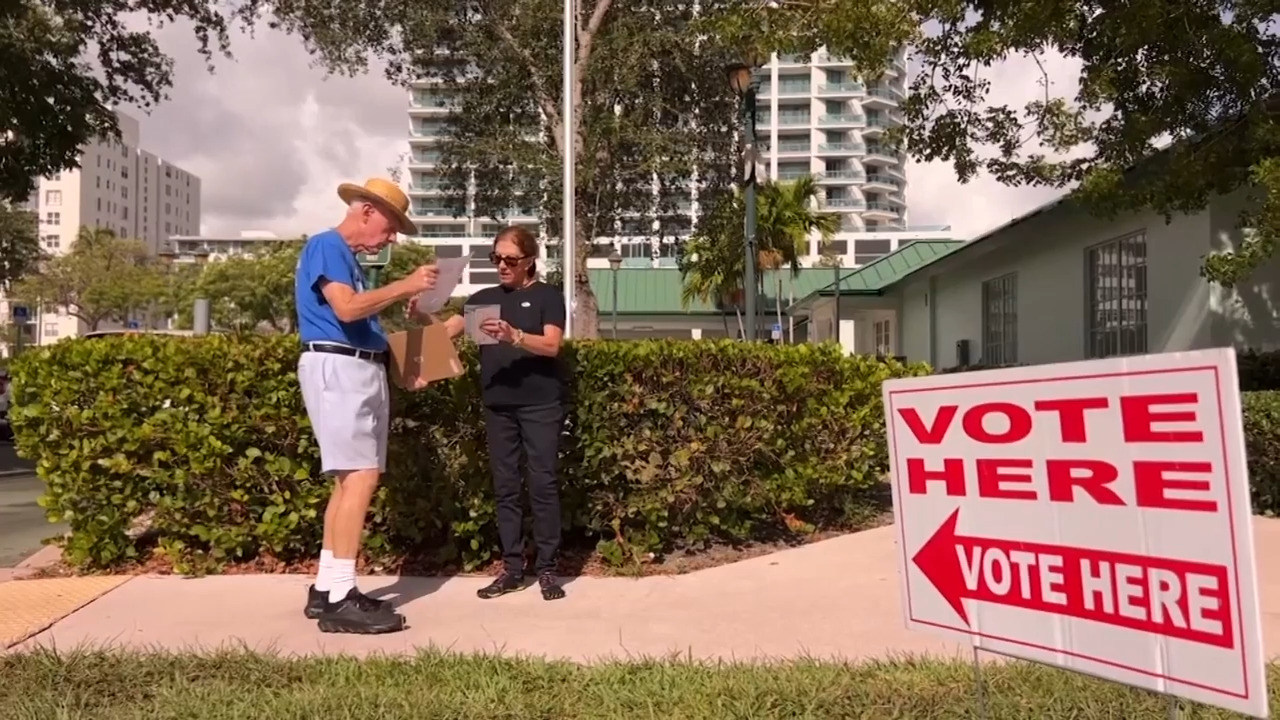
524	239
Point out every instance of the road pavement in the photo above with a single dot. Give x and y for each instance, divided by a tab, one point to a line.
22	522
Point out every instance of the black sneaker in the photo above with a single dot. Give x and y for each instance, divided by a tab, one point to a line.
506	583
356	614
550	586
317	599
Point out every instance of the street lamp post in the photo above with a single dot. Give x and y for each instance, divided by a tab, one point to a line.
615	262
741	79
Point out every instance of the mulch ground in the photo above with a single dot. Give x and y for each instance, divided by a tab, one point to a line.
576	561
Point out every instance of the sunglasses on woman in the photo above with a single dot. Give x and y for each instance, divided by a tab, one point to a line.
510	262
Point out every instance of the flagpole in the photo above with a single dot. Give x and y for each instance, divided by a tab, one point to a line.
568	236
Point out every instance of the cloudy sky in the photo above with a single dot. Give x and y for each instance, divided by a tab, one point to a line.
271	136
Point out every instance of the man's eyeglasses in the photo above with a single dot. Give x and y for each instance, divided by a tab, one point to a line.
510	262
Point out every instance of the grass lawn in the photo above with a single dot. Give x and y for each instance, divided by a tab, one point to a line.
242	686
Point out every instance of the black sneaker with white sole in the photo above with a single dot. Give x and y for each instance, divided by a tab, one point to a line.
506	583
317	599
358	615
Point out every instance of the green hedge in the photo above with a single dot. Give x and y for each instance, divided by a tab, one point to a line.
1262	446
670	444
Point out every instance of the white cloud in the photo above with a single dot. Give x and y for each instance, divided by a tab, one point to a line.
936	197
271	136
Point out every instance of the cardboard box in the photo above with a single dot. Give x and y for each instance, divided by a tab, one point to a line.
424	353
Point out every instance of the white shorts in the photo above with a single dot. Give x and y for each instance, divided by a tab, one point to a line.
350	410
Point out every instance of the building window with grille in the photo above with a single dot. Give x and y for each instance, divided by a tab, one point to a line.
53	197
1000	320
883	332
1117	296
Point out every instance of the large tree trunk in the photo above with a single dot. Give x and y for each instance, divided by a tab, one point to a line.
586	316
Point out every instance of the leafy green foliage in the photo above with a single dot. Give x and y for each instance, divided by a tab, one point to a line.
1199	75
248	292
405	257
19	243
651	103
102	278
711	261
54	99
670	444
1262	446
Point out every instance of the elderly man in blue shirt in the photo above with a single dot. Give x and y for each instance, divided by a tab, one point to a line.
342	373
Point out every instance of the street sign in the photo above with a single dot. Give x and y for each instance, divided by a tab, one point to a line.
379	259
776	333
1091	515
20	313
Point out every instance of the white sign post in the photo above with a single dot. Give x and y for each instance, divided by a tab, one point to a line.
1094	516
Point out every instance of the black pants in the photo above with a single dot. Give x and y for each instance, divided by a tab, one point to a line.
535	429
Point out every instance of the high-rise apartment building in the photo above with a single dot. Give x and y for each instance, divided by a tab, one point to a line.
813	117
120	186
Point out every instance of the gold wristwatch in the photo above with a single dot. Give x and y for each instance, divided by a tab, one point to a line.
519	338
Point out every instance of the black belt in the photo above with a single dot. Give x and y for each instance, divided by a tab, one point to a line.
334	348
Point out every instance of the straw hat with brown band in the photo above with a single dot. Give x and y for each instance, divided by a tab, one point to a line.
386	196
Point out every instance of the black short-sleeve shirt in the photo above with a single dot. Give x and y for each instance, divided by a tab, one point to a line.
511	375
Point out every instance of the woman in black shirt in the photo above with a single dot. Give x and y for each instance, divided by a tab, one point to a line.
523	391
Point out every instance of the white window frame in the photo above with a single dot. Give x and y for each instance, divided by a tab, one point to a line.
1116	297
882	337
1000	320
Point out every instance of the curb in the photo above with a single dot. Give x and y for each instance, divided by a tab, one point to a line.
46	556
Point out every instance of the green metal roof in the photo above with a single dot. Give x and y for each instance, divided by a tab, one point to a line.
644	291
873	278
656	291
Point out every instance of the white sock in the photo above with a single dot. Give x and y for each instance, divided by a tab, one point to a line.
341	579
325	572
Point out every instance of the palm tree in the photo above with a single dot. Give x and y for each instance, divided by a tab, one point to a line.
786	218
710	260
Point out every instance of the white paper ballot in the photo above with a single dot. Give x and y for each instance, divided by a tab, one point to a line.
475	317
451	270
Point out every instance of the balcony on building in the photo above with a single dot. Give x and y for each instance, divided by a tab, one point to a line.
431	102
843	88
434	231
881	96
793	171
881	154
842	202
882	182
847	118
877	122
423	157
826	58
792	60
841	147
793	86
793	116
426	184
840	176
880	210
792	146
427	129
431	207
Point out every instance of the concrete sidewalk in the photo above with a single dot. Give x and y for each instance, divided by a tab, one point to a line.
834	599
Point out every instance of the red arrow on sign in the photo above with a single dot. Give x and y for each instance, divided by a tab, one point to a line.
1164	596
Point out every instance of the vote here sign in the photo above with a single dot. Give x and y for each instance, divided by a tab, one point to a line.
1091	515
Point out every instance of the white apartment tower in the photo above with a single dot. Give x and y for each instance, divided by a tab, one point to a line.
120	186
813	117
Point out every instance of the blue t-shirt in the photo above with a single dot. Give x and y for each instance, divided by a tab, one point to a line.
327	257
